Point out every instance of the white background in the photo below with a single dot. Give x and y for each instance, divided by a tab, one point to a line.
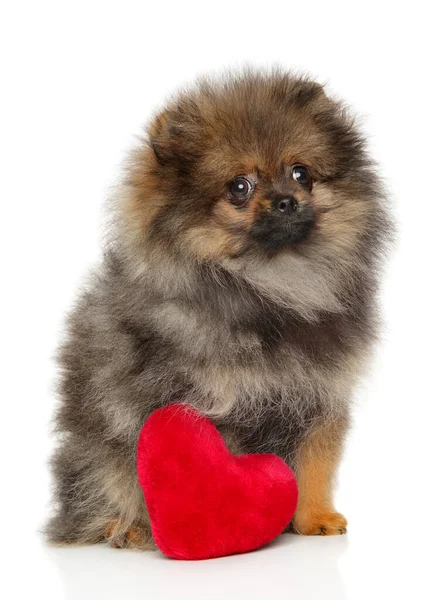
78	81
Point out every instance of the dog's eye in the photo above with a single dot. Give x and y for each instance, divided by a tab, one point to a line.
240	190
301	174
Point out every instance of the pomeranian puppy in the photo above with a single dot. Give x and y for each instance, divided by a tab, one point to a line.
240	277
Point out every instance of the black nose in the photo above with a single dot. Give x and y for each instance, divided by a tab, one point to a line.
286	205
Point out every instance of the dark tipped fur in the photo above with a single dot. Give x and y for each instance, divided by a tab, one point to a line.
269	340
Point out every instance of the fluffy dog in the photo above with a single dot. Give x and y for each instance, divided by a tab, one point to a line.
240	277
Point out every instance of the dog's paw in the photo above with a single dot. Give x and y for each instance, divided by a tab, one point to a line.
136	537
320	523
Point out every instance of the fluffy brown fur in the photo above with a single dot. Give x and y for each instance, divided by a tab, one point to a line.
260	316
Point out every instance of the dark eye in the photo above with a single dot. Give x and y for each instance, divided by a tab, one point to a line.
301	174
240	190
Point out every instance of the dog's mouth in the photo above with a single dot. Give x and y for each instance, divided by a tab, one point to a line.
274	230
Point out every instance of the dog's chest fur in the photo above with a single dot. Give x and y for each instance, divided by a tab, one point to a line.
248	367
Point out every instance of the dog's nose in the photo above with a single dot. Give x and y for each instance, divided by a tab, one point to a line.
287	205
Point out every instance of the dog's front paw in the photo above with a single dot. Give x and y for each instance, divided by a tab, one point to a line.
135	537
319	523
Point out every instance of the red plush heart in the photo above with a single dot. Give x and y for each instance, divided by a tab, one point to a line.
204	502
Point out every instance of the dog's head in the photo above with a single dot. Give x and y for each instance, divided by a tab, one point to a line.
252	171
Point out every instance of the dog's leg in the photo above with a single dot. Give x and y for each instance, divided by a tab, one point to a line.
315	466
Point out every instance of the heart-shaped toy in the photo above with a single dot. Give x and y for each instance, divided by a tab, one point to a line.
203	501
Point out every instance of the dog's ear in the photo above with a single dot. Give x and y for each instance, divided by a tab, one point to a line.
174	132
307	92
159	137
